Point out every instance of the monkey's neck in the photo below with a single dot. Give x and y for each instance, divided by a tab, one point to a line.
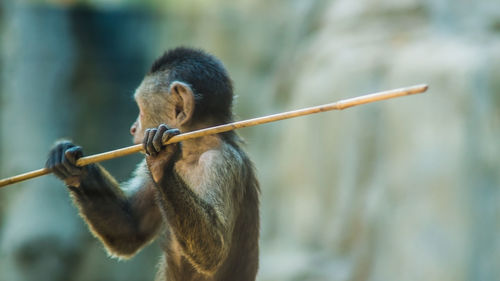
194	148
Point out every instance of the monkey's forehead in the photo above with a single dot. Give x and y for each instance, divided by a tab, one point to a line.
152	84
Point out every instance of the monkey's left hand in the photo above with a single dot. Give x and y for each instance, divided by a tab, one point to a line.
159	155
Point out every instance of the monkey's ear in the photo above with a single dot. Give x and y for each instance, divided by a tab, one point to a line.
183	98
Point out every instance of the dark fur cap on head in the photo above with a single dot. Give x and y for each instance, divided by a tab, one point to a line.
206	76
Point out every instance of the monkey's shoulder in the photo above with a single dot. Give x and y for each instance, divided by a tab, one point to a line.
223	158
225	155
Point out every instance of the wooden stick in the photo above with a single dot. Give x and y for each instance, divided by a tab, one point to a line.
342	104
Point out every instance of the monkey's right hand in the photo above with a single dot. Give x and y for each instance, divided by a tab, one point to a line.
62	162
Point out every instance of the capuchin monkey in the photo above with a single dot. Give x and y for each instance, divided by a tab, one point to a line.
202	194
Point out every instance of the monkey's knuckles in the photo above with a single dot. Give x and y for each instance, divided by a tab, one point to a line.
170	133
63	145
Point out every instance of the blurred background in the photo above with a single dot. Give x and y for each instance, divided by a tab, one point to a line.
406	189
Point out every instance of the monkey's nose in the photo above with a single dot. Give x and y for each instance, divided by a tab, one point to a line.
133	129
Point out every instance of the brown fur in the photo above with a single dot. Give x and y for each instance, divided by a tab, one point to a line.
203	195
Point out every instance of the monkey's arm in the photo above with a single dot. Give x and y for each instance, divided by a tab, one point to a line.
123	223
123	220
202	215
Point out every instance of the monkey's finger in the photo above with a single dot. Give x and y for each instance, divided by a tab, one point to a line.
170	133
73	154
151	149
54	159
63	144
145	141
57	167
157	140
64	166
69	160
50	159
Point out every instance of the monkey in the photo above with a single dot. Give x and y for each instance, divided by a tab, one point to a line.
201	195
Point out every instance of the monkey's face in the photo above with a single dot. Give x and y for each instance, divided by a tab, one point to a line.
137	131
149	118
155	108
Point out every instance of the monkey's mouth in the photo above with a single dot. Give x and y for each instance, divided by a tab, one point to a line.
136	140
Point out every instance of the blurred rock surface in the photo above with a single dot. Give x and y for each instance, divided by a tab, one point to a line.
406	189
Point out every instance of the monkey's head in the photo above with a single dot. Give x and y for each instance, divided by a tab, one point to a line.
186	89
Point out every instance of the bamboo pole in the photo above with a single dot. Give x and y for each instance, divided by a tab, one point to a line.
339	105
